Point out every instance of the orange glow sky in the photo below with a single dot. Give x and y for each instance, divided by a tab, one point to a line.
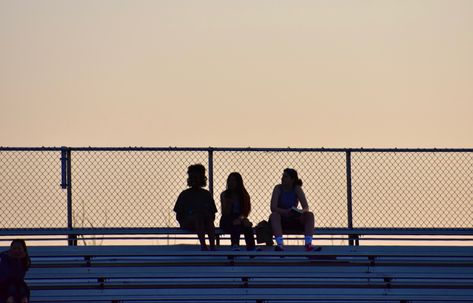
236	73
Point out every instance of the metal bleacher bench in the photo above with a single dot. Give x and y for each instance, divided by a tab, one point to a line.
179	273
352	234
182	273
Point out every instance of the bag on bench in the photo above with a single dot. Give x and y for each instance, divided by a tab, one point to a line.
264	233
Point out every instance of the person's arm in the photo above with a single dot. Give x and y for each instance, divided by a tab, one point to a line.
246	205
224	204
274	202
212	203
245	209
179	207
302	199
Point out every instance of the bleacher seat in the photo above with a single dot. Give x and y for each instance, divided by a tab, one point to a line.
182	273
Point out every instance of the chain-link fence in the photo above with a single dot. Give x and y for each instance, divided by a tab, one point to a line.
412	189
137	187
30	192
323	175
129	188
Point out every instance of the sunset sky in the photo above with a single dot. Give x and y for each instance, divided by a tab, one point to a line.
236	73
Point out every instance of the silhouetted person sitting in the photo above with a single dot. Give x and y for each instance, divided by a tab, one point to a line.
236	207
195	207
13	266
284	215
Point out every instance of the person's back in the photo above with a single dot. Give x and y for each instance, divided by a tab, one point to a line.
195	207
194	200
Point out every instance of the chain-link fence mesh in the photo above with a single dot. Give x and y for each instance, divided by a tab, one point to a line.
138	188
129	188
412	189
30	190
323	176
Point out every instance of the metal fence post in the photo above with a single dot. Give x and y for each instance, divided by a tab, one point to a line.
353	239
211	182
66	182
211	171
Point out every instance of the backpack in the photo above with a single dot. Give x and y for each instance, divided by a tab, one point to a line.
264	233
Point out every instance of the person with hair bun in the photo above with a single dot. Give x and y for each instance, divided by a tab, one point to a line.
284	213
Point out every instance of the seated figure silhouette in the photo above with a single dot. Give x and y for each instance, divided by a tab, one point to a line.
13	266
195	207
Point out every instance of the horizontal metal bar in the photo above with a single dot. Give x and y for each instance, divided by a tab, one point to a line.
3	148
174	230
242	149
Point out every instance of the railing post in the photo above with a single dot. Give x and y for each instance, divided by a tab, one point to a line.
353	239
211	182
66	183
211	171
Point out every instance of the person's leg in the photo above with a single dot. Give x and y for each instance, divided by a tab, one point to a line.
200	228
209	227
226	223
11	292
276	224
249	237
3	295
24	293
235	234
307	220
275	219
196	223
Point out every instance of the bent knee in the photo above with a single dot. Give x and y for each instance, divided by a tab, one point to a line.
275	216
308	215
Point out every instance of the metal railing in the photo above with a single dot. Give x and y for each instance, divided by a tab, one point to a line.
131	187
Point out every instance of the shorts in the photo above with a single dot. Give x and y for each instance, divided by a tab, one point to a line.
292	224
189	222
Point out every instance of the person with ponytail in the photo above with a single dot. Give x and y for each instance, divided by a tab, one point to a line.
236	207
284	215
13	266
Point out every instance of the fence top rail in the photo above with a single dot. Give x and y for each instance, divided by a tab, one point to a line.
242	149
42	148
